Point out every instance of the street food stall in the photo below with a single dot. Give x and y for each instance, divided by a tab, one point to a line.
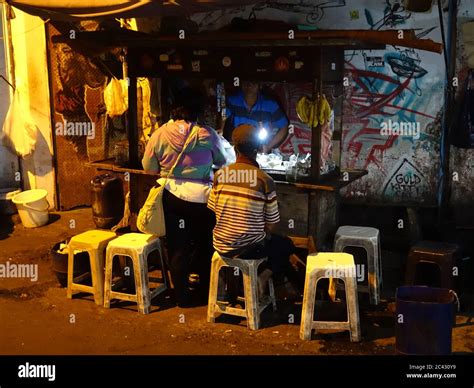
308	183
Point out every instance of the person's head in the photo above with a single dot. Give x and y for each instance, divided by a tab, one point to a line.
188	105
246	141
250	88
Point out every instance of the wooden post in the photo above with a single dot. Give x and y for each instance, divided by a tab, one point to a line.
316	131
133	123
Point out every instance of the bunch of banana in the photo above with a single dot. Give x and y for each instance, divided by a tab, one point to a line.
314	112
324	110
303	109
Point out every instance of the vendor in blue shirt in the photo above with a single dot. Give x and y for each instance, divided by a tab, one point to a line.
250	106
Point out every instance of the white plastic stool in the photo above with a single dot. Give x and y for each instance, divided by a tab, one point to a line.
369	239
137	246
330	265
94	243
253	308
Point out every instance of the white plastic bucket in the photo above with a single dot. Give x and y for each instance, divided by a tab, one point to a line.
32	207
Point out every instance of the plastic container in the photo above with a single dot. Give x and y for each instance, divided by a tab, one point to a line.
107	200
32	207
60	263
7	207
424	320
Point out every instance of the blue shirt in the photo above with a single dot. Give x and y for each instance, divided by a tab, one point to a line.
266	110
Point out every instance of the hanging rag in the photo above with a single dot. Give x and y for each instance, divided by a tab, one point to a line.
116	97
116	102
19	132
145	125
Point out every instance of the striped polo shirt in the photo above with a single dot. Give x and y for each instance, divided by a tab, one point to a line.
244	199
265	111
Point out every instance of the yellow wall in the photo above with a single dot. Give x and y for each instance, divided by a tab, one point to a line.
31	76
8	160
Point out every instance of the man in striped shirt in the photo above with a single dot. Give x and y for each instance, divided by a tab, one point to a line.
244	200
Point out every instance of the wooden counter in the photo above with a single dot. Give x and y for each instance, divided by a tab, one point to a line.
312	209
306	208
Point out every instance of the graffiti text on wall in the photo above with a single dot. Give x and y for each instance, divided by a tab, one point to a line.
405	183
393	16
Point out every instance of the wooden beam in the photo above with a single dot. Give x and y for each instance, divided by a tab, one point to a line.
404	38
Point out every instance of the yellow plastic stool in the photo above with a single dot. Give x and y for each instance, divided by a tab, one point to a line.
94	243
137	246
253	308
330	265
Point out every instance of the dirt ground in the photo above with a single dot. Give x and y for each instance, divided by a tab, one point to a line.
36	318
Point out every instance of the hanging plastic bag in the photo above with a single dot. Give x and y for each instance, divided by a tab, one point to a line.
228	150
19	130
116	97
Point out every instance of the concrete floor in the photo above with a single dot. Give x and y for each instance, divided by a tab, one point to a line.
36	317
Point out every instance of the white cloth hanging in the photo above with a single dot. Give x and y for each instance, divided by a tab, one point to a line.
19	131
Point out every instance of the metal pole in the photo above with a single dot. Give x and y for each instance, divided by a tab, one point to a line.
450	58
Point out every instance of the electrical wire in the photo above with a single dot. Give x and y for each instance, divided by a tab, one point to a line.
8	82
31	29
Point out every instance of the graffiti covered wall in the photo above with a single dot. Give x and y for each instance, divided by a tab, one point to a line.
391	124
393	101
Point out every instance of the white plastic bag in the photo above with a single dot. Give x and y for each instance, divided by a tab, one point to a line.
229	151
116	97
19	130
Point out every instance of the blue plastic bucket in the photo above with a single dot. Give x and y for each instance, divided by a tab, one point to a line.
424	320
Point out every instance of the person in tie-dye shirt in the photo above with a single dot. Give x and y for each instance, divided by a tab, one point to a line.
189	222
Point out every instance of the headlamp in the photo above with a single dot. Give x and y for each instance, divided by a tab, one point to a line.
262	134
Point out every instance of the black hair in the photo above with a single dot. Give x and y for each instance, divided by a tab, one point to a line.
245	140
188	105
247	149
